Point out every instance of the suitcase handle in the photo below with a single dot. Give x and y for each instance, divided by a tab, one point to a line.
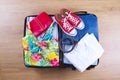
81	12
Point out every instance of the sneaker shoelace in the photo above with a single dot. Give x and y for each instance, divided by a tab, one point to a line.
66	25
71	18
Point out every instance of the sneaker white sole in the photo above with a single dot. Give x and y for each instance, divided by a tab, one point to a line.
81	26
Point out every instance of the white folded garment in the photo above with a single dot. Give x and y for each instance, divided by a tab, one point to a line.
85	53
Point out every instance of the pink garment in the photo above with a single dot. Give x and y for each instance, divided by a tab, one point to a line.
40	23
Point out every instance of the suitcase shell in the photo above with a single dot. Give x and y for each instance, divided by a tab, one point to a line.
91	26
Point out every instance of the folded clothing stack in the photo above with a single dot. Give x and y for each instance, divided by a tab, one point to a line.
85	53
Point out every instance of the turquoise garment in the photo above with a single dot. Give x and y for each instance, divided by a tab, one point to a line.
48	35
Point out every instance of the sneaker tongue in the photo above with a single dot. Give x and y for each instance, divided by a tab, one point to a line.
59	16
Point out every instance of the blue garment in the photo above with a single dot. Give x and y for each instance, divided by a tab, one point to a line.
91	26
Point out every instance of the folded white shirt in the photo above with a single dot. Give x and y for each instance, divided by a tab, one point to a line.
85	53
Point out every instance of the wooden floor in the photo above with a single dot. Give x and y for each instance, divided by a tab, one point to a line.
12	14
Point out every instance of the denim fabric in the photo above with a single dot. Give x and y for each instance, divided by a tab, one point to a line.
91	26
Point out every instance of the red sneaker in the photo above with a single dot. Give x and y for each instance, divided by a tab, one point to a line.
74	20
40	23
65	25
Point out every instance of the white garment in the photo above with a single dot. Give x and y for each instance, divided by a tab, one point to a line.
86	52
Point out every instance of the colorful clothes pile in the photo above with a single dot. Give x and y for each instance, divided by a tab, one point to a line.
44	53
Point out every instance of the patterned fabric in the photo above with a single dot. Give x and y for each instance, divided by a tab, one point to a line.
43	53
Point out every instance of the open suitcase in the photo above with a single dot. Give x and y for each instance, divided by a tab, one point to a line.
91	26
